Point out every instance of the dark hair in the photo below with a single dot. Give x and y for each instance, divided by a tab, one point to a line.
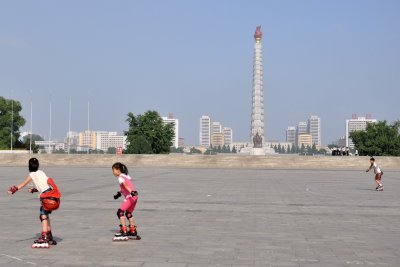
121	167
372	159
33	164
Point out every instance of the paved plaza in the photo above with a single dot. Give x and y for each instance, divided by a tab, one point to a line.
209	217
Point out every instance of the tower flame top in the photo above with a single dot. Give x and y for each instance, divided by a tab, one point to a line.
258	33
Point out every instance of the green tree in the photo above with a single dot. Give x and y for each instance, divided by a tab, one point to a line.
176	150
10	123
35	137
322	151
111	150
139	145
148	134
194	150
288	149
234	150
379	139
302	149
314	150
294	149
209	152
279	149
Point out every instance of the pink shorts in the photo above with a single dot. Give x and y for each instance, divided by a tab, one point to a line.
129	204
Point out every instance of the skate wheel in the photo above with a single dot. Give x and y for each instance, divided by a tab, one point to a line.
138	237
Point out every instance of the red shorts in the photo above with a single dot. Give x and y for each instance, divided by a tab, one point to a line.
129	204
378	176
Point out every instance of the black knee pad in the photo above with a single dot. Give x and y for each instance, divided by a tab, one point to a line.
43	217
120	213
128	214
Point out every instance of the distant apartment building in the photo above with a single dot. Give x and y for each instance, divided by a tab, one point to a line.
216	127
217	139
50	146
228	136
181	142
72	139
341	142
88	139
291	135
205	131
304	139
356	124
239	145
175	121
301	128
314	128
106	140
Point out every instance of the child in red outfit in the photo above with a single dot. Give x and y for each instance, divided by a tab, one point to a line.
49	197
128	205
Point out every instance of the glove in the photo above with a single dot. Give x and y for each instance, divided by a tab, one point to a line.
117	195
134	193
32	190
13	189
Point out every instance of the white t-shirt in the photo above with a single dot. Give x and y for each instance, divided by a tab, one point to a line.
376	168
39	178
121	180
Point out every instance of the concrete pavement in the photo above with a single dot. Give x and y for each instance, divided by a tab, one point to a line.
209	217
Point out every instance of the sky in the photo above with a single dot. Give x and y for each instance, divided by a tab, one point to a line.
193	58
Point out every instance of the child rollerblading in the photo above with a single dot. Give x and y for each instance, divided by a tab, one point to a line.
378	174
124	213
49	197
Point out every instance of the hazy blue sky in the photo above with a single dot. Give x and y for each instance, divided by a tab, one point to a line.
330	58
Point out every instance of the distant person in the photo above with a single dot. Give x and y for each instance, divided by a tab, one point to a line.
347	151
127	206
49	197
378	174
356	153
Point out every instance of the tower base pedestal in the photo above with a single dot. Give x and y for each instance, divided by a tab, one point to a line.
257	151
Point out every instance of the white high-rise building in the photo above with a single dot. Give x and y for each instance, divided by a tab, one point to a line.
106	140
216	127
228	136
314	128
356	124
175	121
205	131
301	129
291	134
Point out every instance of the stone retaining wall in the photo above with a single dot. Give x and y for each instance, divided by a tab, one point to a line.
203	161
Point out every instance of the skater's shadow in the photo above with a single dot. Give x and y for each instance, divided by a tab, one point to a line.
367	189
56	238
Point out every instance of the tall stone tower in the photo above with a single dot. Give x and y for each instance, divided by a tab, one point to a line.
257	113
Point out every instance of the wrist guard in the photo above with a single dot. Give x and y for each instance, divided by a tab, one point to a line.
13	189
34	190
117	195
134	193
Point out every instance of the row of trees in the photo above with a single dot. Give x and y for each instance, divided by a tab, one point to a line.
302	150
